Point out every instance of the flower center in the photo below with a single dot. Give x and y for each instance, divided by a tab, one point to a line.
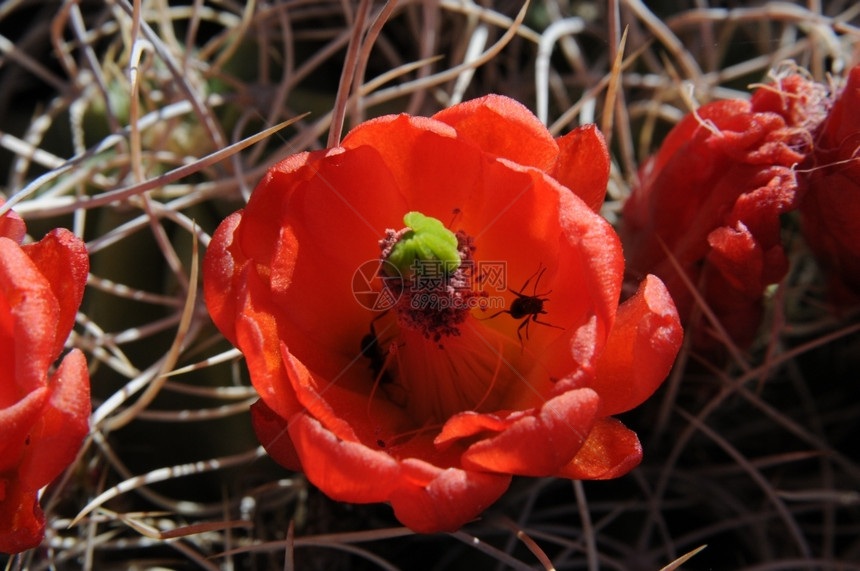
424	355
435	283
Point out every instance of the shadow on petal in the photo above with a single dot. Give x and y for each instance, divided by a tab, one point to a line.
271	431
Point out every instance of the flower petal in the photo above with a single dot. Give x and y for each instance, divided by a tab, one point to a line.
830	207
62	259
346	471
611	451
42	420
432	169
221	271
271	431
257	336
595	265
830	212
469	423
16	421
11	225
583	164
431	499
736	254
62	426
505	128
310	225
538	444
32	313
22	522
645	339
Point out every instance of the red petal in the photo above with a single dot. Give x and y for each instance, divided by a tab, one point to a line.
641	349
57	436
317	394
11	225
831	205
62	258
585	289
794	97
64	423
692	127
469	423
432	169
431	499
16	421
611	451
310	225
830	213
842	121
503	127
221	270
29	320
344	471
257	337
773	192
541	443
343	405
271	431
22	523
737	255
583	164
48	441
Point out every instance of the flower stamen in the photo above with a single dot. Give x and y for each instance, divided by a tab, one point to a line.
436	287
492	384
382	375
402	438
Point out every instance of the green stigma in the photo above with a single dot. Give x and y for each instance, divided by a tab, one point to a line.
425	249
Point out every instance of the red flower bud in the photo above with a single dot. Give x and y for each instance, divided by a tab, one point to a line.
44	415
830	208
709	202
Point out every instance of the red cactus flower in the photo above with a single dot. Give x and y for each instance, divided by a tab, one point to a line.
830	207
712	196
451	380
44	415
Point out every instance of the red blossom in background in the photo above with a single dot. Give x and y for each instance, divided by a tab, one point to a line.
434	411
830	207
712	197
44	415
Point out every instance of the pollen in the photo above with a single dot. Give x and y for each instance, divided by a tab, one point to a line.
436	287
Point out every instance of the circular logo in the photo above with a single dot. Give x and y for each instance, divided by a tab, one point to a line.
370	285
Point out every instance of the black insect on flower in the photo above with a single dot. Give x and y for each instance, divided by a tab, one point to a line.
528	307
